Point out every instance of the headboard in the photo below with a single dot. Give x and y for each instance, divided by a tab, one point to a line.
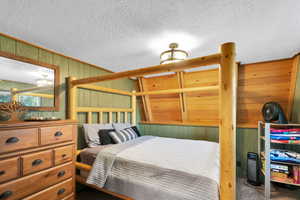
100	112
100	115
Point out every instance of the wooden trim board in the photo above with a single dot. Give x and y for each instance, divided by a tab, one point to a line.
179	66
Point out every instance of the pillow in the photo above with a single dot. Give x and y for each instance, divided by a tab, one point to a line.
123	135
136	130
105	137
91	133
121	126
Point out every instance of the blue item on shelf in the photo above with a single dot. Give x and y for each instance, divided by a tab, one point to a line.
284	156
284	137
286	133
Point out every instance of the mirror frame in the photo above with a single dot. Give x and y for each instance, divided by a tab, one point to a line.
55	107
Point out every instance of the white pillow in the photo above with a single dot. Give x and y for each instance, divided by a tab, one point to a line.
121	126
91	133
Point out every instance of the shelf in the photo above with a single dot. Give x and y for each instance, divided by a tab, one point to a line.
286	183
278	162
281	125
262	171
263	138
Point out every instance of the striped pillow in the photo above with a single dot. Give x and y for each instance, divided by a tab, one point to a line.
123	135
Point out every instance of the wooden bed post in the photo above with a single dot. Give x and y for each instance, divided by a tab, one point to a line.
227	113
133	106
72	99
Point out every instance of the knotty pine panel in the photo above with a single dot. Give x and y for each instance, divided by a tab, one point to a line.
164	107
258	83
202	106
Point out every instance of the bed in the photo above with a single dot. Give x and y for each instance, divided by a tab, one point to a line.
136	170
156	168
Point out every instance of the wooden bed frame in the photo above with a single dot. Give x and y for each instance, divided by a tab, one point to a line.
227	107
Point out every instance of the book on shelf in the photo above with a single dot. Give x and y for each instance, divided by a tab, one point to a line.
284	173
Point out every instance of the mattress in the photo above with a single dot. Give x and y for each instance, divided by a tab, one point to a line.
88	155
157	168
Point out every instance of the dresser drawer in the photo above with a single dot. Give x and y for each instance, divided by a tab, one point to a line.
56	192
63	154
28	185
36	161
18	139
71	197
9	169
50	135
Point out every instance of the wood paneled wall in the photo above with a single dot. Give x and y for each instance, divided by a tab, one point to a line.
263	82
258	83
70	67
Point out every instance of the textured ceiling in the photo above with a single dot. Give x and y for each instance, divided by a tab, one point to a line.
126	34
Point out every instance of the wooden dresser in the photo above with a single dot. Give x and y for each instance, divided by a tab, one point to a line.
37	160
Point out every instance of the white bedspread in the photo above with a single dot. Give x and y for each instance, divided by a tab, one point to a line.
156	168
190	156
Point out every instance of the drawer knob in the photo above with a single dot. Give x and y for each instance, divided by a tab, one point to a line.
6	194
12	140
58	133
37	162
64	155
61	173
61	191
2	172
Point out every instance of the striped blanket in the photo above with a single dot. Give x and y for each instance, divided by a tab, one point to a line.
151	168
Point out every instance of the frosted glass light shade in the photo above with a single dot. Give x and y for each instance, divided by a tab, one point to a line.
173	55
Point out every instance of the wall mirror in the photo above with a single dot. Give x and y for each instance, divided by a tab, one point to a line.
32	83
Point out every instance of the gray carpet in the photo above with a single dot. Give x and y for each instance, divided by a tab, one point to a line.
245	192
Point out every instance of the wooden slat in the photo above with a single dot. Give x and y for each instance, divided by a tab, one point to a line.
89	118
182	97
104	89
119	117
83	166
125	117
204	123
179	66
176	91
110	117
133	107
145	99
227	128
296	64
96	109
100	115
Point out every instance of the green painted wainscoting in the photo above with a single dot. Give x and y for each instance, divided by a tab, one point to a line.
70	67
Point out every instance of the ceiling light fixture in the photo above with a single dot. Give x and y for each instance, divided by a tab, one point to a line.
173	55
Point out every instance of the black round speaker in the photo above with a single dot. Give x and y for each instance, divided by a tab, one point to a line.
273	112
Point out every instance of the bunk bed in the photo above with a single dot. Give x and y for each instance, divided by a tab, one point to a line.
227	108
